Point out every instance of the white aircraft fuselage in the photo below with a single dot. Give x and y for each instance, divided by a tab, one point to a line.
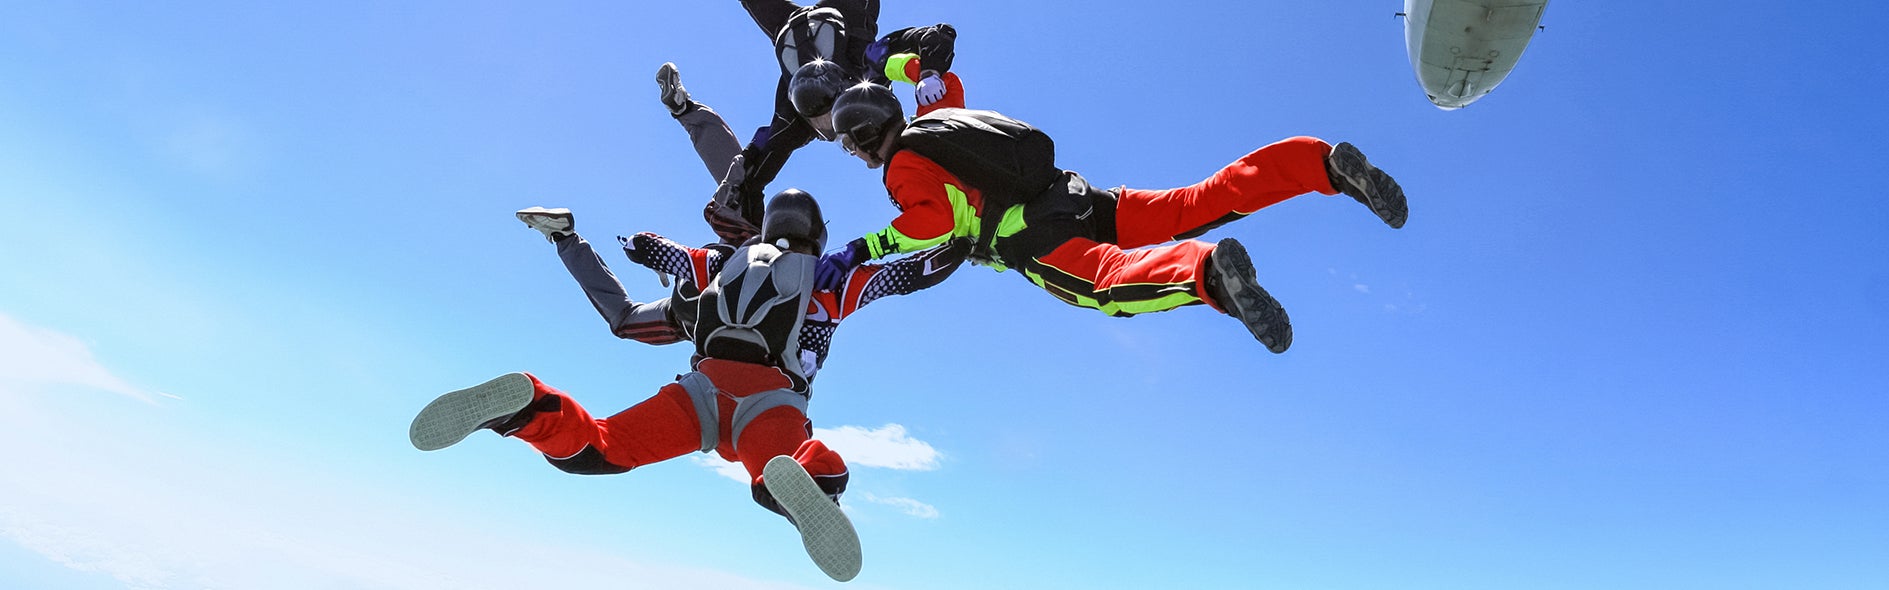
1462	49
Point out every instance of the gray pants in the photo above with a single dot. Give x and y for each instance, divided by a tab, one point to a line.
720	152
643	322
714	142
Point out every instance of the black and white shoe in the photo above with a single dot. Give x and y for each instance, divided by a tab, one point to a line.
1234	286
824	529
555	224
674	96
455	415
1353	175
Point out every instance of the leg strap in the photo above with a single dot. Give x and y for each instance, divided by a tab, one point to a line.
747	408
702	393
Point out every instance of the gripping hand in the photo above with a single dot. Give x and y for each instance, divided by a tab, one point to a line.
835	265
930	89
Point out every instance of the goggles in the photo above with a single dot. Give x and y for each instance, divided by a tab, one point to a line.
861	138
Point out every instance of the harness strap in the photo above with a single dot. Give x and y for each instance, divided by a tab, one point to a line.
747	408
703	393
995	208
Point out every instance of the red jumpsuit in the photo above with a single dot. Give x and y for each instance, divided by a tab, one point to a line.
669	425
666	426
1077	245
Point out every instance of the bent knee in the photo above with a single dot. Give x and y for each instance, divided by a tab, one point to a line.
589	461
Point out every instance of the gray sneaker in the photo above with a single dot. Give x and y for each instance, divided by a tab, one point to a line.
555	224
1234	287
674	96
824	529
455	415
1353	175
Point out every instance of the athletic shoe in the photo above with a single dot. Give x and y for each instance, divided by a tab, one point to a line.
1353	175
455	415
555	224
824	529
674	96
1234	287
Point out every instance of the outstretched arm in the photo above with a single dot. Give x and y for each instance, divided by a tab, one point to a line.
904	276
666	256
934	206
933	209
867	283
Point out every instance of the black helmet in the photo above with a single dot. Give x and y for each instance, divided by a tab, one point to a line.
793	215
865	113
814	85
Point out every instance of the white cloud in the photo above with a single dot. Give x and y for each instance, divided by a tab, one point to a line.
160	516
886	447
155	508
906	505
1362	288
31	356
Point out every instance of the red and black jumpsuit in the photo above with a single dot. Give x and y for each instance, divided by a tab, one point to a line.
671	423
1080	243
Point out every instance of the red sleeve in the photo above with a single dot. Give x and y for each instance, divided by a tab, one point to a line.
704	263
953	98
917	185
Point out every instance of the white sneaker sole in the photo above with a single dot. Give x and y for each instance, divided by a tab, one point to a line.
455	415
542	219
824	528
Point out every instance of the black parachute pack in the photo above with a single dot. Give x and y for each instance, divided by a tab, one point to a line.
811	33
1009	161
752	311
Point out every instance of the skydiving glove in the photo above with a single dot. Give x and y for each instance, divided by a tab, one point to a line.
635	254
930	89
834	266
640	256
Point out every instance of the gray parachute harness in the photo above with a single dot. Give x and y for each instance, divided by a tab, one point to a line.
753	313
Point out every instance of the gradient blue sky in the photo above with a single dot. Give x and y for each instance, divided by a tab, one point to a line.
1623	342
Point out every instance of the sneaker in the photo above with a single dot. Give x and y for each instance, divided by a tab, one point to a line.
824	529
1233	286
1353	175
674	96
455	415
555	224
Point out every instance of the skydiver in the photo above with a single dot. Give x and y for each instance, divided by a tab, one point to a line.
822	48
1070	238
744	399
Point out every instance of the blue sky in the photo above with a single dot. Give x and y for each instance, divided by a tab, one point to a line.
1623	342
